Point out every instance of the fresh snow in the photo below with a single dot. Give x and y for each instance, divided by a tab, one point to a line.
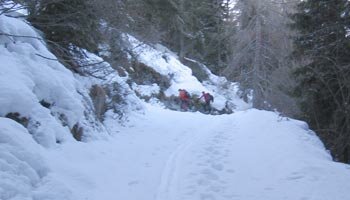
162	154
155	154
26	79
24	173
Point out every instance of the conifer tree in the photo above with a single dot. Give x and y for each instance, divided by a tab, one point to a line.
324	80
261	47
207	32
195	29
67	22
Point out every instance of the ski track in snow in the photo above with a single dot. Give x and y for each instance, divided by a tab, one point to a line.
169	178
207	155
167	187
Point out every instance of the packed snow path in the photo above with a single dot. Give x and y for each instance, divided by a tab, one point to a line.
164	155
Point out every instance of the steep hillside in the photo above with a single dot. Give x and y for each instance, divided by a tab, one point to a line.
167	65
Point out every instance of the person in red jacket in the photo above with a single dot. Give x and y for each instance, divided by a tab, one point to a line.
184	99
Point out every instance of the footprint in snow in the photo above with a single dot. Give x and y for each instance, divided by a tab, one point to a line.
218	167
192	174
207	197
147	165
216	152
213	161
231	171
209	149
203	182
314	178
216	189
191	187
209	174
294	177
190	190
232	196
190	193
131	183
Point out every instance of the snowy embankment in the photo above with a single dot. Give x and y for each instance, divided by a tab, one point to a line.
43	105
26	82
24	173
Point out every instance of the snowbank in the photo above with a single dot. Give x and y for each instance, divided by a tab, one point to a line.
47	101
44	102
24	174
26	79
43	91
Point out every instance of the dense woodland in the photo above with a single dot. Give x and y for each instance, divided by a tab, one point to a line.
290	56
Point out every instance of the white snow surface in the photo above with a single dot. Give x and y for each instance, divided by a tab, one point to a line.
26	79
24	173
168	155
11	6
166	64
156	154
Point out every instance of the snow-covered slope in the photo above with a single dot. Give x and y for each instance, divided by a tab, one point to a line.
24	172
47	101
167	64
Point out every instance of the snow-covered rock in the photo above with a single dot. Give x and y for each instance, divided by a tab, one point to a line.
24	173
26	79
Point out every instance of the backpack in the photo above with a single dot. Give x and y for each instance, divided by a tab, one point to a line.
187	94
211	98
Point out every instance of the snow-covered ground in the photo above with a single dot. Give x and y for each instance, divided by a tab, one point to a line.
162	154
167	155
156	154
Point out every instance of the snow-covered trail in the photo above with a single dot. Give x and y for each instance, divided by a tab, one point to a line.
255	155
130	164
165	155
